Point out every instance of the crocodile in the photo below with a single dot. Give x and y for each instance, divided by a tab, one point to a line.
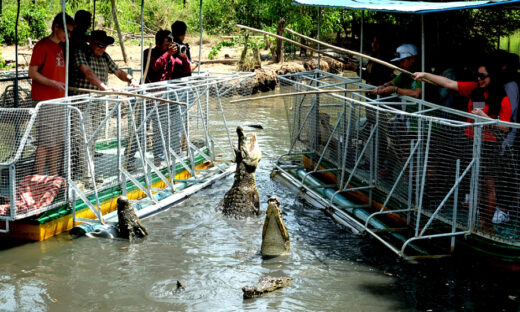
275	238
242	200
129	225
267	284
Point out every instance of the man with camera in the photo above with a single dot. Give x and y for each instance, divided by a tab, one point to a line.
158	66
162	58
183	65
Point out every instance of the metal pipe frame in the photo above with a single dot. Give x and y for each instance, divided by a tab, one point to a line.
197	86
416	163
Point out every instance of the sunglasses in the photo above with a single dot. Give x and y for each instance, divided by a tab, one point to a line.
100	45
482	76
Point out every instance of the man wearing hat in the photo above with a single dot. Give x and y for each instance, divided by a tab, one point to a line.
92	65
90	68
403	84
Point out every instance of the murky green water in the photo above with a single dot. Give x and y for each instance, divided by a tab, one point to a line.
214	257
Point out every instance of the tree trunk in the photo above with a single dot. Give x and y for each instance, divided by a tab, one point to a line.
119	34
244	52
279	42
256	57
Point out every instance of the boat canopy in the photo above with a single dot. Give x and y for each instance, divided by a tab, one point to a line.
396	6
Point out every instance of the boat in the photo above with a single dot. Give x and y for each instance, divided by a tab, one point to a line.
430	201
36	207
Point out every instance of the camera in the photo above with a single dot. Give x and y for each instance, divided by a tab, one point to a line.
181	48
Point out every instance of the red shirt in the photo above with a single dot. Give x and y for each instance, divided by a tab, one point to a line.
49	57
465	89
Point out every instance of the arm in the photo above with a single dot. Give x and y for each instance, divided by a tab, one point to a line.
439	80
160	63
503	115
416	93
186	64
41	79
92	78
386	88
124	76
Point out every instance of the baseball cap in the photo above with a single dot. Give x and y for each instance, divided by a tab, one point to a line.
404	51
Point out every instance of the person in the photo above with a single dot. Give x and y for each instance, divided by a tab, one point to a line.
162	58
183	66
47	71
90	69
79	37
159	68
487	98
91	66
400	127
403	84
375	73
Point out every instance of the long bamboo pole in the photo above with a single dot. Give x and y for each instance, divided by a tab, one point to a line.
300	93
293	42
368	57
129	94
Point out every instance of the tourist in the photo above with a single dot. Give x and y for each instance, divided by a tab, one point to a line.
399	129
160	68
403	84
90	69
375	73
487	98
47	71
183	65
79	36
183	68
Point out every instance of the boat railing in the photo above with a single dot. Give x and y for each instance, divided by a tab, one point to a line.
94	147
441	171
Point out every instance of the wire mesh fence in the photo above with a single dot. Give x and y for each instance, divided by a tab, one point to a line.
438	166
71	150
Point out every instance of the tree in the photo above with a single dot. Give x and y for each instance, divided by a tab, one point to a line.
119	34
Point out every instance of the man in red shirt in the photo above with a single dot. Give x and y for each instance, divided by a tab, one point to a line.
47	71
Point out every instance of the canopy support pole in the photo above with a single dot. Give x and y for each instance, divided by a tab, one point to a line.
64	14
16	99
361	45
94	17
142	41
200	41
319	36
423	58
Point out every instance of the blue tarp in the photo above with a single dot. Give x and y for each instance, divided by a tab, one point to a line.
396	6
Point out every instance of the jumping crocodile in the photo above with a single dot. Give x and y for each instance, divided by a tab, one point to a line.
266	285
242	200
275	238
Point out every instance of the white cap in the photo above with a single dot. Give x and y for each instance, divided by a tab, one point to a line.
404	51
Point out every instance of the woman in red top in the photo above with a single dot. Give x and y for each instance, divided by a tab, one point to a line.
487	98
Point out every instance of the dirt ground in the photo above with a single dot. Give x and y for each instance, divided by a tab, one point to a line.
267	77
133	52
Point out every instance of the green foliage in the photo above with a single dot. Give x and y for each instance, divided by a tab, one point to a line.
224	43
3	64
36	18
252	44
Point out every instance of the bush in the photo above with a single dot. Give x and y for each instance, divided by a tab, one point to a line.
35	17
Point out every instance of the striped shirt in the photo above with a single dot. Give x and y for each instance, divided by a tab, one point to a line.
100	66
